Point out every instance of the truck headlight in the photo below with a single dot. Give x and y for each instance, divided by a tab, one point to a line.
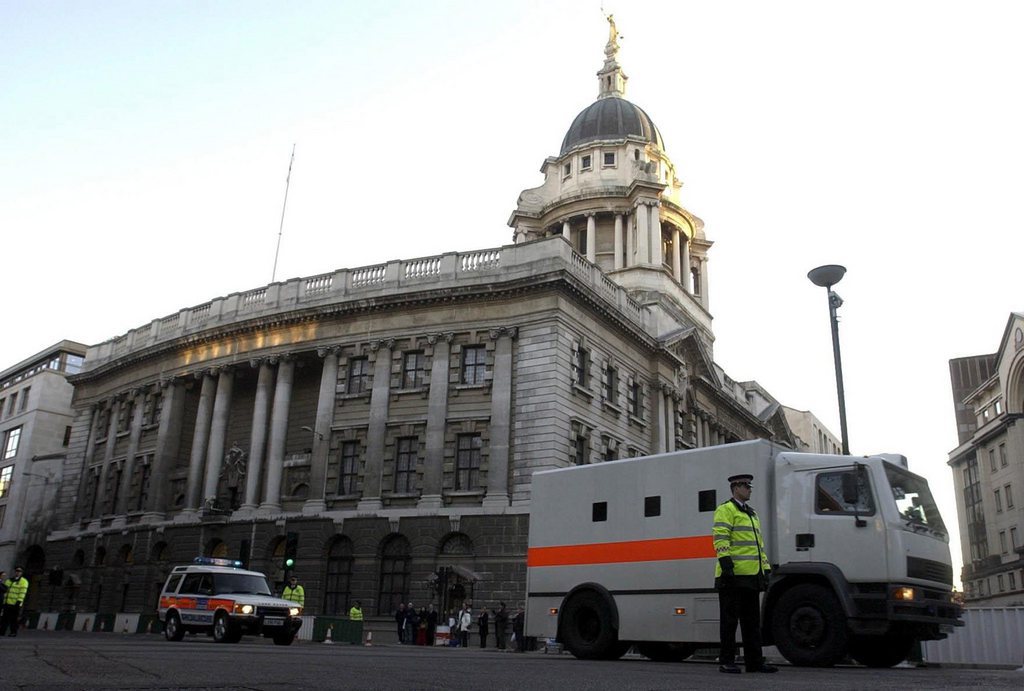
905	594
294	611
244	609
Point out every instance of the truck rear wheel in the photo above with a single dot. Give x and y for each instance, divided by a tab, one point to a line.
809	626
881	651
666	652
586	627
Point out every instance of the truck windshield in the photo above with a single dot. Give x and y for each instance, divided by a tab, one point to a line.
228	583
914	499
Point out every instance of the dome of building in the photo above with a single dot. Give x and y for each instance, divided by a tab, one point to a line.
610	118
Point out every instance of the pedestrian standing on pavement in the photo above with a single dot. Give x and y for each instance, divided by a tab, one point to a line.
465	622
741	573
500	625
400	621
13	600
293	592
482	623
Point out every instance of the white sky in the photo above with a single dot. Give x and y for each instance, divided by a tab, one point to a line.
144	146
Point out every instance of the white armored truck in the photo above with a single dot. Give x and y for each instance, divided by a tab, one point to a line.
620	553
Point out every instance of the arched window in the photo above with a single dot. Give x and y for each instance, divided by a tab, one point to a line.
338	583
394	573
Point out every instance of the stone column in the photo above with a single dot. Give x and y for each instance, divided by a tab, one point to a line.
139	398
684	262
643	233
108	454
168	442
200	438
322	431
90	451
618	241
258	436
501	414
657	258
218	435
377	428
567	231
677	256
278	434
437	415
591	238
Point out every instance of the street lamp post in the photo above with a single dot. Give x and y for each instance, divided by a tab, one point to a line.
826	277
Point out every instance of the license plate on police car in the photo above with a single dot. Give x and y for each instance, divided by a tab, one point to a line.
273	621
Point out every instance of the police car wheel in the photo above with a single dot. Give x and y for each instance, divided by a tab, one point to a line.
173	630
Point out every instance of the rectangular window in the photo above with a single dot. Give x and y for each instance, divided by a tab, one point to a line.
833	489
6	474
412	370
1003	460
581	367
1008	494
611	385
358	375
992	459
474	364
349	466
609	158
636	390
586	162
467	462
999	502
24	399
11	440
405	465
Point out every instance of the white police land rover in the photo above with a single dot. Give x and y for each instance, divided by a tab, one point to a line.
218	596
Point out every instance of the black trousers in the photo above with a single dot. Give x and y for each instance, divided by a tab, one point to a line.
743	606
9	619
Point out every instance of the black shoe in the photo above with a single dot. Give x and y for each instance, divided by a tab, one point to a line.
730	669
763	667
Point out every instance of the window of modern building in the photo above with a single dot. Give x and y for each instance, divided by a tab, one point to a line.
474	364
1008	495
24	399
999	501
467	462
412	370
358	375
6	475
586	162
405	464
1003	460
349	466
12	439
609	159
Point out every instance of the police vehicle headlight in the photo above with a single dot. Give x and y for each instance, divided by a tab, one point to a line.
244	609
294	611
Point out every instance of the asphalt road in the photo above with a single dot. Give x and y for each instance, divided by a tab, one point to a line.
77	660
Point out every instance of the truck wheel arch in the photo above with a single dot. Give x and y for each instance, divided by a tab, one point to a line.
790	575
595	588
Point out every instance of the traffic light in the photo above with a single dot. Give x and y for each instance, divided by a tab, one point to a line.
291	550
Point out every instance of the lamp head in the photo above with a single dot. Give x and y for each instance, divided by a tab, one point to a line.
827	276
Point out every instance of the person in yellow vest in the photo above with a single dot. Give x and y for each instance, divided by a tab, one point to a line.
356	613
13	600
294	592
741	573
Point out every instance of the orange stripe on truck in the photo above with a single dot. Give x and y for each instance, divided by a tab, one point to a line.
700	547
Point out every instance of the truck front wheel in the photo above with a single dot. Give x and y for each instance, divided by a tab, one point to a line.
881	651
809	626
586	627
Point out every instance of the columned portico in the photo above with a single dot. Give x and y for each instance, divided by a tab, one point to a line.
278	433
377	426
501	412
437	415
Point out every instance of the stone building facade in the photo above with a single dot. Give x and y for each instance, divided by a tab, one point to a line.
383	422
988	469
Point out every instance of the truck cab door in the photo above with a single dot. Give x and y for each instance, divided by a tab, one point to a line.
845	526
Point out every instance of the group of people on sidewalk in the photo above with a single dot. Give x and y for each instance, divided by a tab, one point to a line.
420	627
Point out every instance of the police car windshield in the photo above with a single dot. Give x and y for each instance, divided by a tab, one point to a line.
247	583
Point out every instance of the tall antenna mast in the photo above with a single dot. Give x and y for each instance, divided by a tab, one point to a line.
280	229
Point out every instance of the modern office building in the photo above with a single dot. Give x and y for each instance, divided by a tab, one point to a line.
988	469
381	424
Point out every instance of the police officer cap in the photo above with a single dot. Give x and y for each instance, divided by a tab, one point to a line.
741	479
